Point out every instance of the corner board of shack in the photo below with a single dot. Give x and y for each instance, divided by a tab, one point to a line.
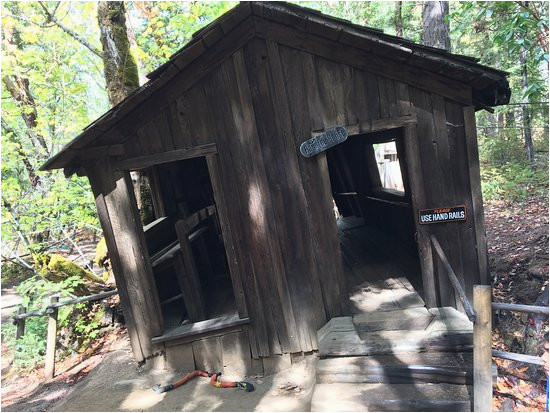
302	170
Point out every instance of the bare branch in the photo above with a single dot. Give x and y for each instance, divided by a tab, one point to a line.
51	17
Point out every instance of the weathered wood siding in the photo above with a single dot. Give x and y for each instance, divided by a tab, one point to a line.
275	205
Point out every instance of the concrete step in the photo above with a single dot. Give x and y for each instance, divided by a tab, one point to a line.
456	368
340	397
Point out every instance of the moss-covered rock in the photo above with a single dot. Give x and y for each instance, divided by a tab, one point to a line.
101	252
56	268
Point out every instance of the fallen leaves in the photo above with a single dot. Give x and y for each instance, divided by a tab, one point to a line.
517	236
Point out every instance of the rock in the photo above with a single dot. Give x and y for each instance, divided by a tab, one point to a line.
56	268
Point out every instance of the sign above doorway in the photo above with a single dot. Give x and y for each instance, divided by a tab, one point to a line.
324	141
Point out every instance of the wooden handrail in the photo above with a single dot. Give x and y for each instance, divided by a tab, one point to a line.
51	312
50	309
454	280
521	308
518	357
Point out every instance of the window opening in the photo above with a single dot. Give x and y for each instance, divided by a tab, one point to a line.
389	167
185	245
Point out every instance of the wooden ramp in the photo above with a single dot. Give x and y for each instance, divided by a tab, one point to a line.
393	354
410	359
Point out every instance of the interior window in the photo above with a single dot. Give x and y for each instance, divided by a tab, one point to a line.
389	168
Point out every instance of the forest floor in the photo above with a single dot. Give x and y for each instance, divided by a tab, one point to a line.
518	252
517	237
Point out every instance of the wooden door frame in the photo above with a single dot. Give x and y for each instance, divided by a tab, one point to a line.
418	201
408	126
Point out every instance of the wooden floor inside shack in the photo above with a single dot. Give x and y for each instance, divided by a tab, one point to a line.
381	271
391	353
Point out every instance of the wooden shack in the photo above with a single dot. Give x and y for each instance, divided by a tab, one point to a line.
248	255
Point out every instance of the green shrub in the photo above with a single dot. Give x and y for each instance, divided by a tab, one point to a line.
513	181
28	350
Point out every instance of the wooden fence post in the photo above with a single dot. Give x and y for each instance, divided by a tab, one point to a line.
20	323
483	386
51	340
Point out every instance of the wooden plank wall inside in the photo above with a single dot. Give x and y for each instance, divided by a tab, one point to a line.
279	227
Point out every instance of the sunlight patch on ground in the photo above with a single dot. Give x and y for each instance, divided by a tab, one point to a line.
139	400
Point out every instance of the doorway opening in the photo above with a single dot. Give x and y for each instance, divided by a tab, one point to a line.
186	246
376	228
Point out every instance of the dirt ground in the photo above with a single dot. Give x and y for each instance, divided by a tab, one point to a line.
116	384
107	379
517	236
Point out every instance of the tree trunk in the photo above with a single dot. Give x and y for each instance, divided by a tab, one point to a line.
31	172
435	31
526	115
119	66
121	73
398	18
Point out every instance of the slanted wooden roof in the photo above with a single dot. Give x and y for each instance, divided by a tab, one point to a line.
448	74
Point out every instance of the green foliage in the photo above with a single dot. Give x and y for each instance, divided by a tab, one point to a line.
65	81
83	321
513	181
496	31
162	28
29	350
13	273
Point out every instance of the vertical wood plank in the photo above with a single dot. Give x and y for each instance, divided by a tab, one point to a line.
314	98
267	253
235	180
180	357
195	304
475	185
236	354
315	182
20	323
483	383
463	193
190	287
99	183
314	314
51	341
331	91
227	234
418	196
208	354
451	194
418	201
123	232
431	168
